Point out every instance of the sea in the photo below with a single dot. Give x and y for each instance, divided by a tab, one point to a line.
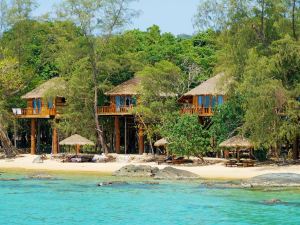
76	199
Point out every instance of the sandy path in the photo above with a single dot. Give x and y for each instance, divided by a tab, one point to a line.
216	171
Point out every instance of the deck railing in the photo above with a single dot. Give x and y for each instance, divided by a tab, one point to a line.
201	111
103	110
44	111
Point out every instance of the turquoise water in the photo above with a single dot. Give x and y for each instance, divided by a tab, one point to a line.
77	200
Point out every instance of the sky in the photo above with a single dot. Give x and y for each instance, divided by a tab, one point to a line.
173	16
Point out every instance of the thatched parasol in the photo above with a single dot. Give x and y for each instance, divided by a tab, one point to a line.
236	142
76	140
161	142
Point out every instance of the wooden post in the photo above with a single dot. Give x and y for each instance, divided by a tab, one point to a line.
38	136
32	137
118	136
15	133
54	141
77	149
141	140
125	135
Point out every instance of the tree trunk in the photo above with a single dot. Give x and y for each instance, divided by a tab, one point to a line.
296	149
294	20
100	133
262	18
9	150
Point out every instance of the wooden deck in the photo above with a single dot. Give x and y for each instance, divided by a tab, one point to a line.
200	111
30	113
115	111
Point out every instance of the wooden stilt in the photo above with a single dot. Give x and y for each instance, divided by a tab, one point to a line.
117	133
125	136
77	149
141	140
54	141
32	137
38	136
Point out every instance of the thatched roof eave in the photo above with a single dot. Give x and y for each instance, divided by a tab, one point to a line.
237	142
76	140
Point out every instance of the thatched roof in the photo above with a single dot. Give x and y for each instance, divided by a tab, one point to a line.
236	142
129	87
50	85
161	142
76	140
212	86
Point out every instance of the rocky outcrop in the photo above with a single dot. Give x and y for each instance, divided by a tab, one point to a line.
154	172
38	159
174	174
274	180
136	171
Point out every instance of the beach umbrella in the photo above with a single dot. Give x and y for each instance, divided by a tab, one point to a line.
237	142
76	140
161	142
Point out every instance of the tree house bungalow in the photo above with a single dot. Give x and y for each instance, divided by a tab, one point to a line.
39	108
204	98
122	100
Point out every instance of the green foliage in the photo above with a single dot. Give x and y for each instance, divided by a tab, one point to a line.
260	52
228	119
185	135
11	82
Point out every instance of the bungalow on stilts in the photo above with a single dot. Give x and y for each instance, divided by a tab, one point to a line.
39	108
203	99
122	100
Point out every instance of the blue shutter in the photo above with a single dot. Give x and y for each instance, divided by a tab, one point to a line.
207	101
200	102
118	101
34	104
220	100
122	101
39	104
50	104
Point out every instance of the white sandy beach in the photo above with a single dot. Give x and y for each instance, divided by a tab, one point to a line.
216	171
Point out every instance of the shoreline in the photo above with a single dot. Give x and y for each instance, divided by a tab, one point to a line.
209	172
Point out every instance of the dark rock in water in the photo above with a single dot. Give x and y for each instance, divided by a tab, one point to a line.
172	173
222	184
111	183
272	201
41	177
136	171
8	179
151	182
274	180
